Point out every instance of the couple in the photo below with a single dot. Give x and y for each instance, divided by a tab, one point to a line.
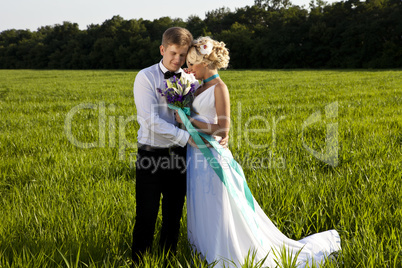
224	221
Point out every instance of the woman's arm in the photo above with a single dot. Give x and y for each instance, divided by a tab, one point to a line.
222	105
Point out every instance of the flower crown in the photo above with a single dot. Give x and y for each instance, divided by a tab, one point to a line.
206	48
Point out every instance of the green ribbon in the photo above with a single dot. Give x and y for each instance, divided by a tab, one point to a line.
248	214
233	164
186	110
196	135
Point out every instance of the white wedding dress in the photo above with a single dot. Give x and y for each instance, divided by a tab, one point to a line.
222	225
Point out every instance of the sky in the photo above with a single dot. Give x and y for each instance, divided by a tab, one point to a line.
32	14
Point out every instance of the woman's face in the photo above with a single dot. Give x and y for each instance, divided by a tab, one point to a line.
197	69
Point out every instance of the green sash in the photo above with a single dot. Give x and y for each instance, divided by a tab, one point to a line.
196	135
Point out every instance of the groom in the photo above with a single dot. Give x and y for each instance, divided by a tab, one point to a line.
161	157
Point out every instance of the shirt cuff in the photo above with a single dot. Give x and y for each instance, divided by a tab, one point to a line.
184	136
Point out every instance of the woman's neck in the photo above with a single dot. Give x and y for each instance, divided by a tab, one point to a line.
210	76
209	73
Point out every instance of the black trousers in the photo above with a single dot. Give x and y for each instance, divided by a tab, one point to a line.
159	173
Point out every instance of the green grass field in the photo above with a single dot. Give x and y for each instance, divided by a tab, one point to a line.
66	163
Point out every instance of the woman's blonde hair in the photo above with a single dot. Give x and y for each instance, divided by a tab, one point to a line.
217	59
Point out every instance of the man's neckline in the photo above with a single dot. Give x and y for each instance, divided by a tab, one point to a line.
164	69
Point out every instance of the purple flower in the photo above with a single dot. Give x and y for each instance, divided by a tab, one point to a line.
174	96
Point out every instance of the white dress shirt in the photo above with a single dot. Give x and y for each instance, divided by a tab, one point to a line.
158	126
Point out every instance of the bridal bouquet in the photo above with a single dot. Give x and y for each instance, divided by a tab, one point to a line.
178	92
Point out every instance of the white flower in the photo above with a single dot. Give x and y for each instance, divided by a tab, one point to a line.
187	85
206	48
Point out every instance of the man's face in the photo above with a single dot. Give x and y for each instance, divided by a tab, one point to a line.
174	56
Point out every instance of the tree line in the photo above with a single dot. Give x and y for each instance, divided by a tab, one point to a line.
268	34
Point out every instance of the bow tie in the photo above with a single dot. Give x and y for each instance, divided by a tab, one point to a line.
169	74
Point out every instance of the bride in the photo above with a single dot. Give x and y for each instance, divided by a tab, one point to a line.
224	221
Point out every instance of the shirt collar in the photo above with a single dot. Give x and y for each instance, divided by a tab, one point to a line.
164	69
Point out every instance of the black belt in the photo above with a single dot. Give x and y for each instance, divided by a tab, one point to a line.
161	150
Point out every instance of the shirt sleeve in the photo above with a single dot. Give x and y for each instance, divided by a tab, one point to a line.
148	108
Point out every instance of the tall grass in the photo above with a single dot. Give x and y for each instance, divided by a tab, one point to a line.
64	205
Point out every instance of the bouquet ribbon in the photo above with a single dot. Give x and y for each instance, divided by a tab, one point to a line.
196	135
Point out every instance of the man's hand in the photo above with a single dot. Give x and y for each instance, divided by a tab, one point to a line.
224	142
178	119
192	142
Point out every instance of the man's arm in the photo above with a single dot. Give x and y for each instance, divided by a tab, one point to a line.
147	106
